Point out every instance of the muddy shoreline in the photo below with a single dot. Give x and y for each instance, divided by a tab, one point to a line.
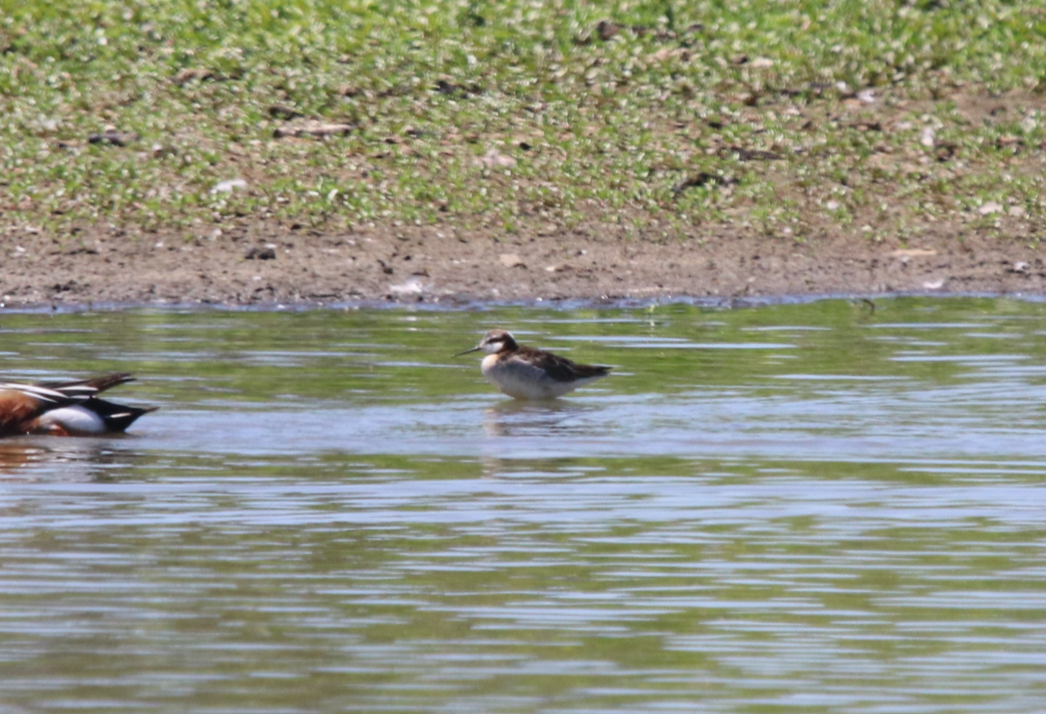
273	265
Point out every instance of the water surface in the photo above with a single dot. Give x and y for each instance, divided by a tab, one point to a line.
809	508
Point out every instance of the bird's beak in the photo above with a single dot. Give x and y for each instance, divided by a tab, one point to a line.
474	349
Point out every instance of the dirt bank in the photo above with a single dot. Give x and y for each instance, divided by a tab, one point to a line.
263	264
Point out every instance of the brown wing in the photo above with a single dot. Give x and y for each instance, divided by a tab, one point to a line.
95	385
560	368
17	410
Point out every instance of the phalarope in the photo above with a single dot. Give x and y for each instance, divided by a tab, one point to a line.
527	373
65	408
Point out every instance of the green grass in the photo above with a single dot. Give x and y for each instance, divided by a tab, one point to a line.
596	129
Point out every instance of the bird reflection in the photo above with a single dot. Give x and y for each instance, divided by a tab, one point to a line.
534	419
530	426
62	459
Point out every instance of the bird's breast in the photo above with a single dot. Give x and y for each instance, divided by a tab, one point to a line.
521	379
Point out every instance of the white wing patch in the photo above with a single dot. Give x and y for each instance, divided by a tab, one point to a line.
52	396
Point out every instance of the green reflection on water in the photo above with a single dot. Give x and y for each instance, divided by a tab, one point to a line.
396	355
498	578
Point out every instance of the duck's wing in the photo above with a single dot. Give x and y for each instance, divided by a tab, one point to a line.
88	387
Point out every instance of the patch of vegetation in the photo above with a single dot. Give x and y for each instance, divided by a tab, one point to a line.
797	120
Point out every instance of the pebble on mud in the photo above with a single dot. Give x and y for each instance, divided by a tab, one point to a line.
260	254
511	260
113	137
228	186
312	128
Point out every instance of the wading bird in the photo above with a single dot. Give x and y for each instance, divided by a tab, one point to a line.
527	373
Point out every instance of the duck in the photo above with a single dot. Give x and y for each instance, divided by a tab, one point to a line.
66	408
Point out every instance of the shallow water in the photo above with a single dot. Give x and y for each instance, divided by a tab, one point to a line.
809	508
